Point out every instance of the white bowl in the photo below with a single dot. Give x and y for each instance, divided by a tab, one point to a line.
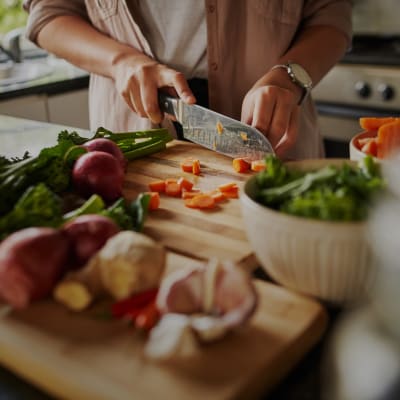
355	151
328	260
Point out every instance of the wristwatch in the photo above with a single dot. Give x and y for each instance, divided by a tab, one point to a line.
299	76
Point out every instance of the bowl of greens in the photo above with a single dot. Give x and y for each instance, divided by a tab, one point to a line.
306	222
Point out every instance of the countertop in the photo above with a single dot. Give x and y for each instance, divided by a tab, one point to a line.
303	383
44	75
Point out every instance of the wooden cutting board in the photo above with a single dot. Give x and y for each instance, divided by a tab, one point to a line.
199	234
74	356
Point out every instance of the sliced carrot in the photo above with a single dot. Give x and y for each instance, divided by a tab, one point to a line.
170	180
196	167
232	193
227	186
185	184
370	147
240	165
157	186
173	189
388	139
217	195
187	165
363	141
189	194
258	165
373	123
202	201
154	200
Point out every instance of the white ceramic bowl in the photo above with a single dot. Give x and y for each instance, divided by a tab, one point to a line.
355	151
328	260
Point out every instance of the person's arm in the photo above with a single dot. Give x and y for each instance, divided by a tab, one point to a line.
137	77
272	104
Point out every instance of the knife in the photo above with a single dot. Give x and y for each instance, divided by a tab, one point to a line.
216	131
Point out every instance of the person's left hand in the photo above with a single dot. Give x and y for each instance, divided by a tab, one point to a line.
273	110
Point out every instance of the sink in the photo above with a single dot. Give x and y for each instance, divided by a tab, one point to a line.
25	72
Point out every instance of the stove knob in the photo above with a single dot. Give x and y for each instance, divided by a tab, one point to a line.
386	92
363	89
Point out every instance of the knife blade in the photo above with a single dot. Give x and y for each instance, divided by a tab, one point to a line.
215	131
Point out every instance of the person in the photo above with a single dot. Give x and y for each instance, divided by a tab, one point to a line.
239	48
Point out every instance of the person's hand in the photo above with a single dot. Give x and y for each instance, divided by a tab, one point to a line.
271	107
138	78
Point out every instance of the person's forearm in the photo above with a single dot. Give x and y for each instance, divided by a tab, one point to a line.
75	40
317	49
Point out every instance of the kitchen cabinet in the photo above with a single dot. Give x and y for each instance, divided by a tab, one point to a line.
70	108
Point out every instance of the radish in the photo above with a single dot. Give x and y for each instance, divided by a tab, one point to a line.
107	146
98	172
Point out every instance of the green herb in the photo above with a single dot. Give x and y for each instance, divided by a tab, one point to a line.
333	193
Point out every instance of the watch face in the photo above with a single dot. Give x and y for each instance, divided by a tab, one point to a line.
301	75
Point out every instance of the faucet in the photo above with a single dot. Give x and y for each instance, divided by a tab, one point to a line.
11	44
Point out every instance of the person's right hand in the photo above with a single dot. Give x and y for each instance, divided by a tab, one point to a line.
138	78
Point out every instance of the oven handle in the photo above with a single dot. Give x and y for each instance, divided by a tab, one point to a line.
354	112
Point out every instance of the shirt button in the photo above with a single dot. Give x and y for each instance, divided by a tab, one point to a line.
211	9
214	66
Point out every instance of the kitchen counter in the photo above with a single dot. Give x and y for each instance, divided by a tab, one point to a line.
303	383
57	76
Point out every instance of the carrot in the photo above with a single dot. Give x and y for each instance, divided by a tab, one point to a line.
258	165
172	188
201	201
154	200
196	167
227	187
187	165
185	184
232	193
373	123
388	139
370	147
217	195
240	165
157	186
148	317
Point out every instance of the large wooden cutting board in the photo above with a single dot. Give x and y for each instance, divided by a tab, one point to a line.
200	234
76	357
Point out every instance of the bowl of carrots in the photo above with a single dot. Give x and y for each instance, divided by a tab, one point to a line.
306	223
379	138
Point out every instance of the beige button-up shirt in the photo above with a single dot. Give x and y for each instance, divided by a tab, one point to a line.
245	38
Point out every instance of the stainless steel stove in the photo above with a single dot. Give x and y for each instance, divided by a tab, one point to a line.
365	83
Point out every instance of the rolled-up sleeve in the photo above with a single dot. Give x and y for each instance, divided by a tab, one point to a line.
41	12
334	13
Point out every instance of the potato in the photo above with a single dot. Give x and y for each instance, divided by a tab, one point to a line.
31	262
87	234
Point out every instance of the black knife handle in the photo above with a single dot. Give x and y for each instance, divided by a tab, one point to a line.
167	103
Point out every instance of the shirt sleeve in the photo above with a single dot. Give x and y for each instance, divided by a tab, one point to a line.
334	13
41	12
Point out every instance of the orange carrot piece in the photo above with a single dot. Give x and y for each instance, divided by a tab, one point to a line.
189	194
258	165
196	167
187	165
185	184
388	139
173	189
227	186
217	195
201	201
373	123
370	147
240	165
157	186
154	200
232	193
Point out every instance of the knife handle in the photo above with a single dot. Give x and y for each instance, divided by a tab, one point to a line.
168	104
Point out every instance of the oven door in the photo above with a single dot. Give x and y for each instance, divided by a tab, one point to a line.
339	123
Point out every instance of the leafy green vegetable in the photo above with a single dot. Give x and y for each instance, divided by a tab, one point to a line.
53	164
331	193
